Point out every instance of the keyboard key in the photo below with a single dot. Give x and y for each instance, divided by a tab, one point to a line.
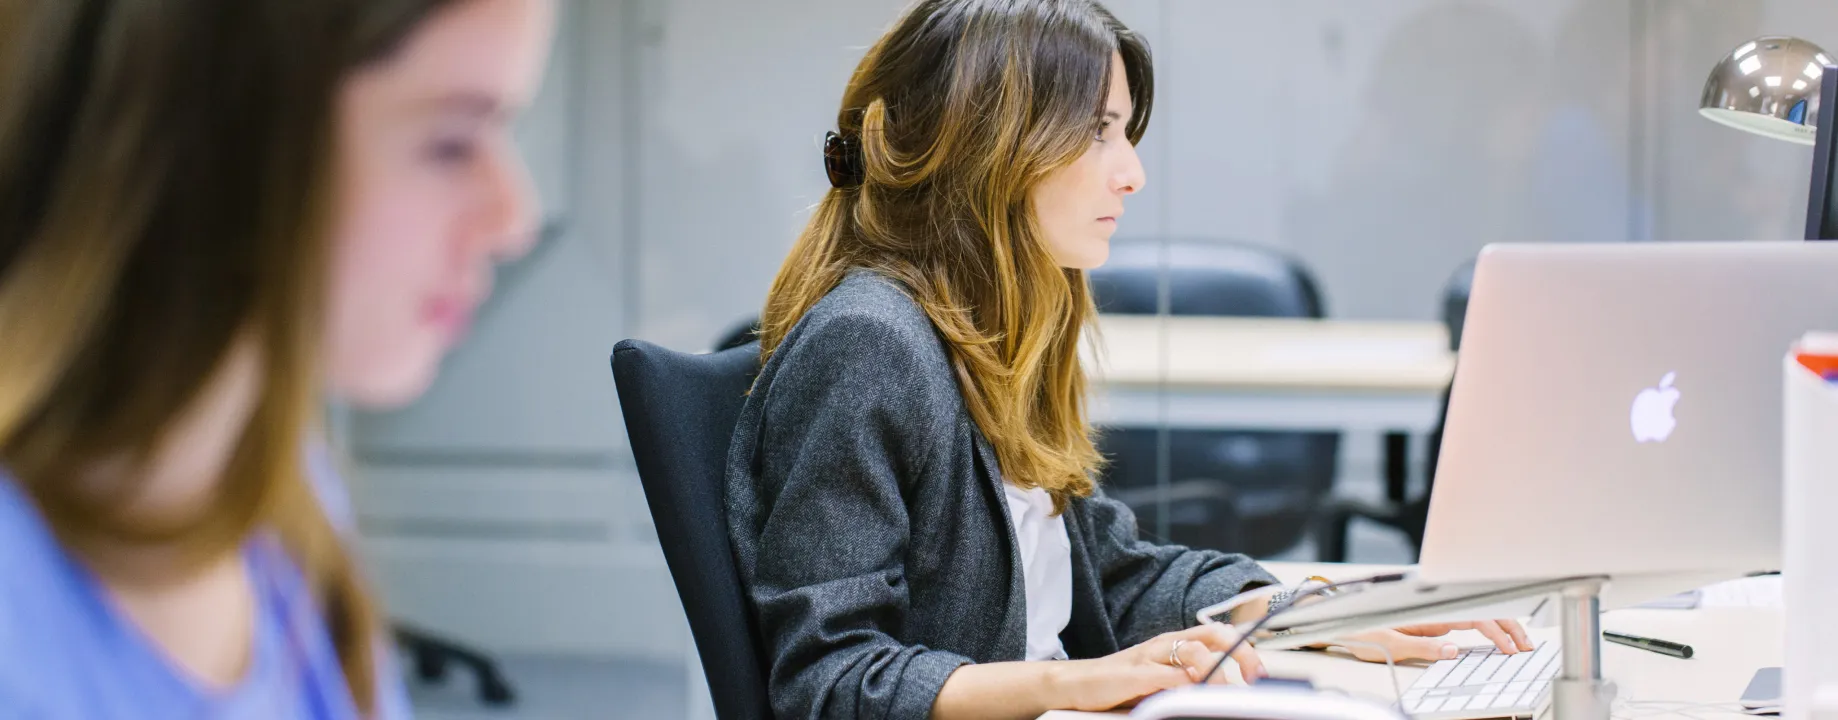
1489	700
1460	703
1546	661
1520	696
1464	669
1413	697
1488	667
1542	664
1433	676
1514	665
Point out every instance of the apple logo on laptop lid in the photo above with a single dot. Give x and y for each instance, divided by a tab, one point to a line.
1652	418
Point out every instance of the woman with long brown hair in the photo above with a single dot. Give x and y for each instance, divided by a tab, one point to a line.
213	213
910	489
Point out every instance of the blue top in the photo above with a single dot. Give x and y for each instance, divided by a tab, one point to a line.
67	652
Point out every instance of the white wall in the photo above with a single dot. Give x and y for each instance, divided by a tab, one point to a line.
1711	184
1382	142
736	95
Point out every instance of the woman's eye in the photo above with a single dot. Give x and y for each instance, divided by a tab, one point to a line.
452	152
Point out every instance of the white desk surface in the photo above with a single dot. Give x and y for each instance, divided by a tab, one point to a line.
1211	352
1730	644
1275	374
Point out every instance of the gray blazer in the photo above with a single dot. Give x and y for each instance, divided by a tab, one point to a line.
873	540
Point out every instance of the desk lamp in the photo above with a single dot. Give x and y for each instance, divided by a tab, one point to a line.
1771	86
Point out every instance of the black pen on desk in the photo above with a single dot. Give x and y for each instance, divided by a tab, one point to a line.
1662	647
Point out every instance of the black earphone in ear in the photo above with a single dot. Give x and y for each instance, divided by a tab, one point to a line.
842	159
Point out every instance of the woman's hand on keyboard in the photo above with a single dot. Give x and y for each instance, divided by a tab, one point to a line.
1424	642
1125	677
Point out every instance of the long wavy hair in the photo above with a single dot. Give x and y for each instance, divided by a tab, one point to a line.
166	197
957	114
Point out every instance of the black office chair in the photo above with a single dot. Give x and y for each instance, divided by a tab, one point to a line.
680	411
743	333
1399	511
431	655
1247	491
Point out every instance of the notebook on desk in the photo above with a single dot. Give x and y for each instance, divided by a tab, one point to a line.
1761	591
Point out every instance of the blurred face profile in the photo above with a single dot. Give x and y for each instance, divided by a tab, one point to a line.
1078	206
431	192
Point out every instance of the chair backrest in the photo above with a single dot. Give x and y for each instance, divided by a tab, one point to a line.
1455	302
680	410
1454	316
744	333
1205	277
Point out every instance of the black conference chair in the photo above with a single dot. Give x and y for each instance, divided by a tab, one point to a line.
680	411
431	655
743	333
1399	511
1247	491
1455	316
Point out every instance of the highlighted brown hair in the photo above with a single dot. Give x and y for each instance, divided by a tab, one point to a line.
959	111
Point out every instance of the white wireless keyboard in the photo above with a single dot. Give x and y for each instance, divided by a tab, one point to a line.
1485	683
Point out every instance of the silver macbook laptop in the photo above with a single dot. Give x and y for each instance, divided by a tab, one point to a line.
1616	412
1617	409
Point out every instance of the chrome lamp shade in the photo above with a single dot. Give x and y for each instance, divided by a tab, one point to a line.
1769	86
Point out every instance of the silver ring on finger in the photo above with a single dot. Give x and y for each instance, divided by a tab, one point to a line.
1174	655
